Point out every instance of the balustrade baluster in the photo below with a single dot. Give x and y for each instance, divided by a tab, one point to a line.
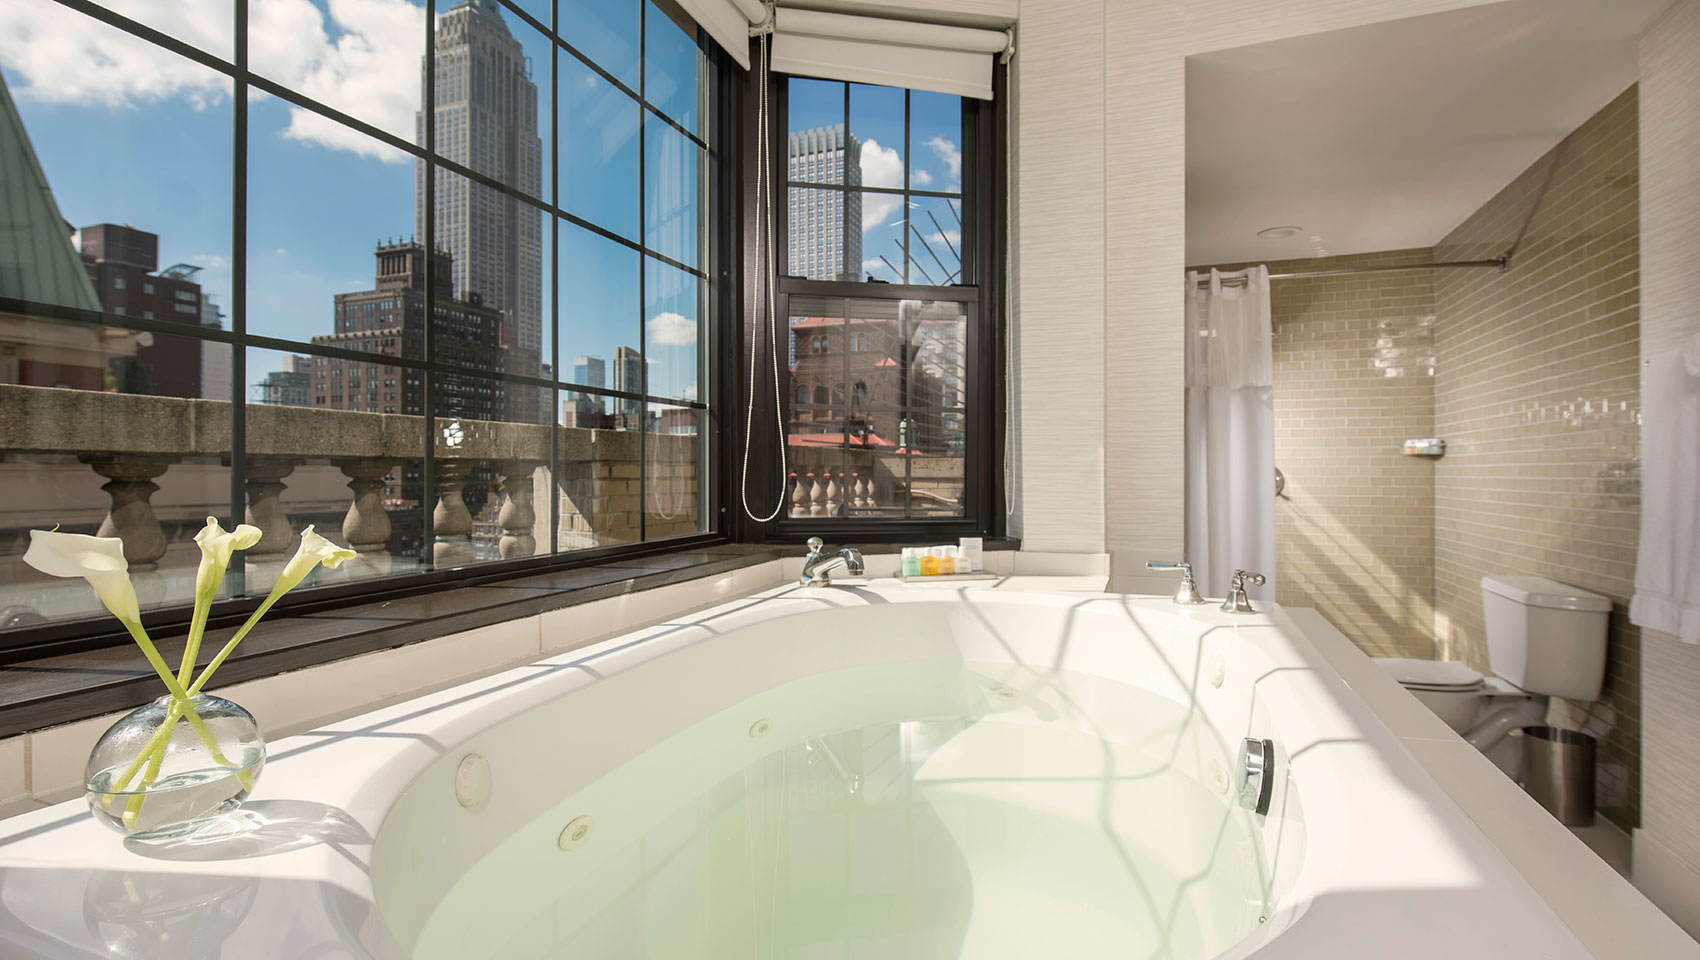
130	486
451	520
366	528
517	517
263	479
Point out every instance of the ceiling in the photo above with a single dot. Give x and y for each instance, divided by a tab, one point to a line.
1388	136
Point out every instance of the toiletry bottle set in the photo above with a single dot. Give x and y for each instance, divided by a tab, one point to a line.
943	561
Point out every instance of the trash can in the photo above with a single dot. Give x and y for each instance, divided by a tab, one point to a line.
1560	772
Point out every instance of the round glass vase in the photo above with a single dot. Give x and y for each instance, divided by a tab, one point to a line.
174	766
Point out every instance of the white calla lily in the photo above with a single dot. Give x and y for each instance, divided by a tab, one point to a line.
217	544
315	551
99	560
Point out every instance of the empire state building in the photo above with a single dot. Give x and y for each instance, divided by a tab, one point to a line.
486	119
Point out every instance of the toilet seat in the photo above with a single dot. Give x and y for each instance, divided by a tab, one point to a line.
1434	676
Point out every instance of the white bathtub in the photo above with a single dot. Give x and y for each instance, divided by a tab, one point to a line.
1094	770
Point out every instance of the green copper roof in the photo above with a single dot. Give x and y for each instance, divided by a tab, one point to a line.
37	261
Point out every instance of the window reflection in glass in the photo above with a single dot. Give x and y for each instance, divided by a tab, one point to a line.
672	331
672	487
674	66
672	171
598	130
606	32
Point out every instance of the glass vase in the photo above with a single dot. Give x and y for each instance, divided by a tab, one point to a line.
174	766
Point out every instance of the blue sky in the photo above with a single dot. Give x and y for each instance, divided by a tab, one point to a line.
129	133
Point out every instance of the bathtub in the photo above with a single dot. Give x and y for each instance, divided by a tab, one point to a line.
868	769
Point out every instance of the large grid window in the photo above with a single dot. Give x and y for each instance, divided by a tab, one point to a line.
890	400
431	276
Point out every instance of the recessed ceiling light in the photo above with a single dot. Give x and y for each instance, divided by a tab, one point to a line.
1280	233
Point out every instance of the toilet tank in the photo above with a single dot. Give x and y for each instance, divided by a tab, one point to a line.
1546	637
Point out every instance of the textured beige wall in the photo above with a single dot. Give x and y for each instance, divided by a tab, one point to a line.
1537	394
1670	312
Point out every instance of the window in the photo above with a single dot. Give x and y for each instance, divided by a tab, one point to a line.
474	251
890	231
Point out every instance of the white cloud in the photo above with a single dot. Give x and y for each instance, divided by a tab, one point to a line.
874	265
953	237
922	177
281	252
210	261
671	330
64	57
881	167
948	152
370	70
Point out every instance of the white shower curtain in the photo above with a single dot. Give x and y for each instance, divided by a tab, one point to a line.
1230	430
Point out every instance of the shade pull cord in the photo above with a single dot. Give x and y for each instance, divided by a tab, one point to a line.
764	259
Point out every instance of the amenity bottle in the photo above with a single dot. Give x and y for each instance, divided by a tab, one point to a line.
911	562
929	564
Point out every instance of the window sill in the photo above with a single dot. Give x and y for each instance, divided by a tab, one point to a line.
67	687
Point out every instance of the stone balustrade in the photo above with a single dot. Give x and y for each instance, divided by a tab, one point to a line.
131	442
871	483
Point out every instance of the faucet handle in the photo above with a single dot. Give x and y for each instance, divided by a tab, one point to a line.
816	545
1188	591
1237	601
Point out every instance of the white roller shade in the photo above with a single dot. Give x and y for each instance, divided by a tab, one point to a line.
728	22
898	53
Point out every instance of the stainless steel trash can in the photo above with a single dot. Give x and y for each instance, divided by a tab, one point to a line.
1560	772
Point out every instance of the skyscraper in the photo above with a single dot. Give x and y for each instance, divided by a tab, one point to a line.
825	225
585	409
628	378
486	119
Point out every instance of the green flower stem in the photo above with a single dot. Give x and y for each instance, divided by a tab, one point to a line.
192	649
133	805
230	646
154	746
155	660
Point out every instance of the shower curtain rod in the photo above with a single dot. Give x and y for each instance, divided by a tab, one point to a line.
1498	262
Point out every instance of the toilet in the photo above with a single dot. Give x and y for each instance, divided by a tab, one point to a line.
1545	639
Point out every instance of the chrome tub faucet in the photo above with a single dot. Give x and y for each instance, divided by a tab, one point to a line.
1188	590
1237	601
818	566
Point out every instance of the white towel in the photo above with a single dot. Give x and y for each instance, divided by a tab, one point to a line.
1667	569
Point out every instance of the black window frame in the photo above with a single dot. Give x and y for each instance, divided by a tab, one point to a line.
981	290
721	140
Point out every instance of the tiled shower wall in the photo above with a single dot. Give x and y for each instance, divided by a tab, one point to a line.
1354	526
1537	395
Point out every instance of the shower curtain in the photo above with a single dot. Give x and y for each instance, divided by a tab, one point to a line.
1230	430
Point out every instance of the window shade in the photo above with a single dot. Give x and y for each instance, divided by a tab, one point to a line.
898	53
837	46
728	22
